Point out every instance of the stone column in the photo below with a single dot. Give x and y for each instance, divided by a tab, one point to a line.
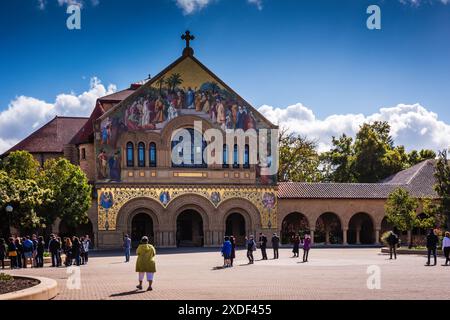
377	236
327	236
358	235
344	237
312	236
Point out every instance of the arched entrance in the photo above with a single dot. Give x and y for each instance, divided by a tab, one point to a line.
235	226
81	230
328	229
294	223
360	229
189	229
141	225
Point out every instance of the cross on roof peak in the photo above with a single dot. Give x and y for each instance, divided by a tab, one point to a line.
188	37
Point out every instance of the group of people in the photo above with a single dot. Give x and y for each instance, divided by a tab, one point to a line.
29	251
432	245
229	247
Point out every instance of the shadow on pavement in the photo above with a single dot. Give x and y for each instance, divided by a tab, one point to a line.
128	293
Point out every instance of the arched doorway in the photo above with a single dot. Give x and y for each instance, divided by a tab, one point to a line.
141	225
328	229
235	226
294	223
69	230
189	229
360	229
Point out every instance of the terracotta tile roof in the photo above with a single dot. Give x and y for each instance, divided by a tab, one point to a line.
52	136
119	95
418	180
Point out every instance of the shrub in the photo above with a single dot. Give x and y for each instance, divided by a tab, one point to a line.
6	277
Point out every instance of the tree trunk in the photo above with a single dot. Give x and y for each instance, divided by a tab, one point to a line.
410	240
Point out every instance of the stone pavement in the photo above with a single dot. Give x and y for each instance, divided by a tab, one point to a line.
193	275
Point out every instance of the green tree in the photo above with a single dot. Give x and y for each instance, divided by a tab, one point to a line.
340	160
298	159
401	211
433	216
21	165
442	186
415	157
72	194
174	81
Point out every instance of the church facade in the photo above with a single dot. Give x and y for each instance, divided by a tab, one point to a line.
147	184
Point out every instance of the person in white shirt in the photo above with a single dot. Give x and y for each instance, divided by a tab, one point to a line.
86	244
446	247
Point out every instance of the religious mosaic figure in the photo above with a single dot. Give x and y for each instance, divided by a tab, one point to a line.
172	112
215	198
106	131
269	200
115	167
190	96
102	165
106	200
164	197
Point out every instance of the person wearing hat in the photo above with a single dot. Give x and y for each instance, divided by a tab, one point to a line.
275	245
145	264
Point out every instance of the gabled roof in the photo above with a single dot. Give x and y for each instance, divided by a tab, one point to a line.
419	180
187	55
51	137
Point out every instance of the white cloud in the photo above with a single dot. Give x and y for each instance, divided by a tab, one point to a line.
192	6
413	126
26	114
43	3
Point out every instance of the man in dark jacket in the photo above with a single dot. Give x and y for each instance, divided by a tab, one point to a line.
275	245
392	241
263	244
53	247
432	242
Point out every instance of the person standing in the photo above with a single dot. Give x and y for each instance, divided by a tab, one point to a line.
145	263
68	252
127	247
53	247
82	253
27	251
40	247
275	245
263	245
306	247
296	242
12	253
58	251
233	249
76	250
86	245
432	242
20	256
251	246
226	252
392	240
3	251
445	247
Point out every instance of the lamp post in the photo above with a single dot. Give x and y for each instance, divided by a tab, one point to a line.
9	210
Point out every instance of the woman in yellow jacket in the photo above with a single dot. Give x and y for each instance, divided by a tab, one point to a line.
145	264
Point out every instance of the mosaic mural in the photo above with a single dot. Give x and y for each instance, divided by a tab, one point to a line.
264	200
186	89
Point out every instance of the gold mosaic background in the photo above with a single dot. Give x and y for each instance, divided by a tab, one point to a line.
107	218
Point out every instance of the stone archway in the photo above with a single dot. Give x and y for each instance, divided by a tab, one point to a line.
141	225
235	226
328	229
141	207
190	231
294	223
361	229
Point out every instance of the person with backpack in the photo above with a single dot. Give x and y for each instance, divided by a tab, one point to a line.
251	247
306	247
392	240
226	252
27	251
432	242
12	253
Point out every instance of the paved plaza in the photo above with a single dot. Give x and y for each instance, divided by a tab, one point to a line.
194	275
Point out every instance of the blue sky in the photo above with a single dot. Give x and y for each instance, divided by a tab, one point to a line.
316	55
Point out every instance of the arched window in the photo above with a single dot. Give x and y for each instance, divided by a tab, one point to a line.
247	157
196	152
225	157
152	154
141	155
130	154
236	157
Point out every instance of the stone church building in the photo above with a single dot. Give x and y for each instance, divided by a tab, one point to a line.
126	150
